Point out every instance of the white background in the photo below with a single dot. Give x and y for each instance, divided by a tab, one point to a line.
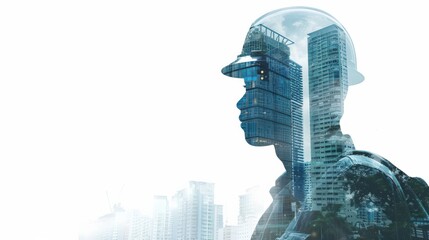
126	97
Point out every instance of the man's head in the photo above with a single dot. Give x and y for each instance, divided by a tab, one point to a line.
274	65
266	106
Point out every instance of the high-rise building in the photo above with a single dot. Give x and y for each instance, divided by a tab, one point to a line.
271	114
119	225
218	221
229	232
251	209
160	218
271	110
328	83
307	187
192	212
298	172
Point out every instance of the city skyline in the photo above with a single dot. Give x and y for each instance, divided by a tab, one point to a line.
174	217
231	212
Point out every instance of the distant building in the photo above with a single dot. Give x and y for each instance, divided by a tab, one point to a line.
218	221
251	209
369	214
192	212
229	232
160	218
119	225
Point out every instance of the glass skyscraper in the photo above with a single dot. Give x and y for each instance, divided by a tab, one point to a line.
271	114
271	109
328	83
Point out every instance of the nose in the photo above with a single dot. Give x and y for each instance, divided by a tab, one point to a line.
241	102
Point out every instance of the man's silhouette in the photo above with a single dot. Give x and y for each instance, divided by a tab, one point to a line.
354	193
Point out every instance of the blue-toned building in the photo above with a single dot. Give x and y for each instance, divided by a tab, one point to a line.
307	187
271	109
271	114
328	84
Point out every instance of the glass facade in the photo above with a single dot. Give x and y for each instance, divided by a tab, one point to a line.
271	108
271	114
328	83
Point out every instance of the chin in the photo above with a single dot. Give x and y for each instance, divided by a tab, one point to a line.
258	141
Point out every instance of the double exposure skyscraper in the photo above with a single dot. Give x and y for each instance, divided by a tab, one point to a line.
271	109
328	83
271	114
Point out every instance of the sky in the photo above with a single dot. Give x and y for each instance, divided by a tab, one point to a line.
125	99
